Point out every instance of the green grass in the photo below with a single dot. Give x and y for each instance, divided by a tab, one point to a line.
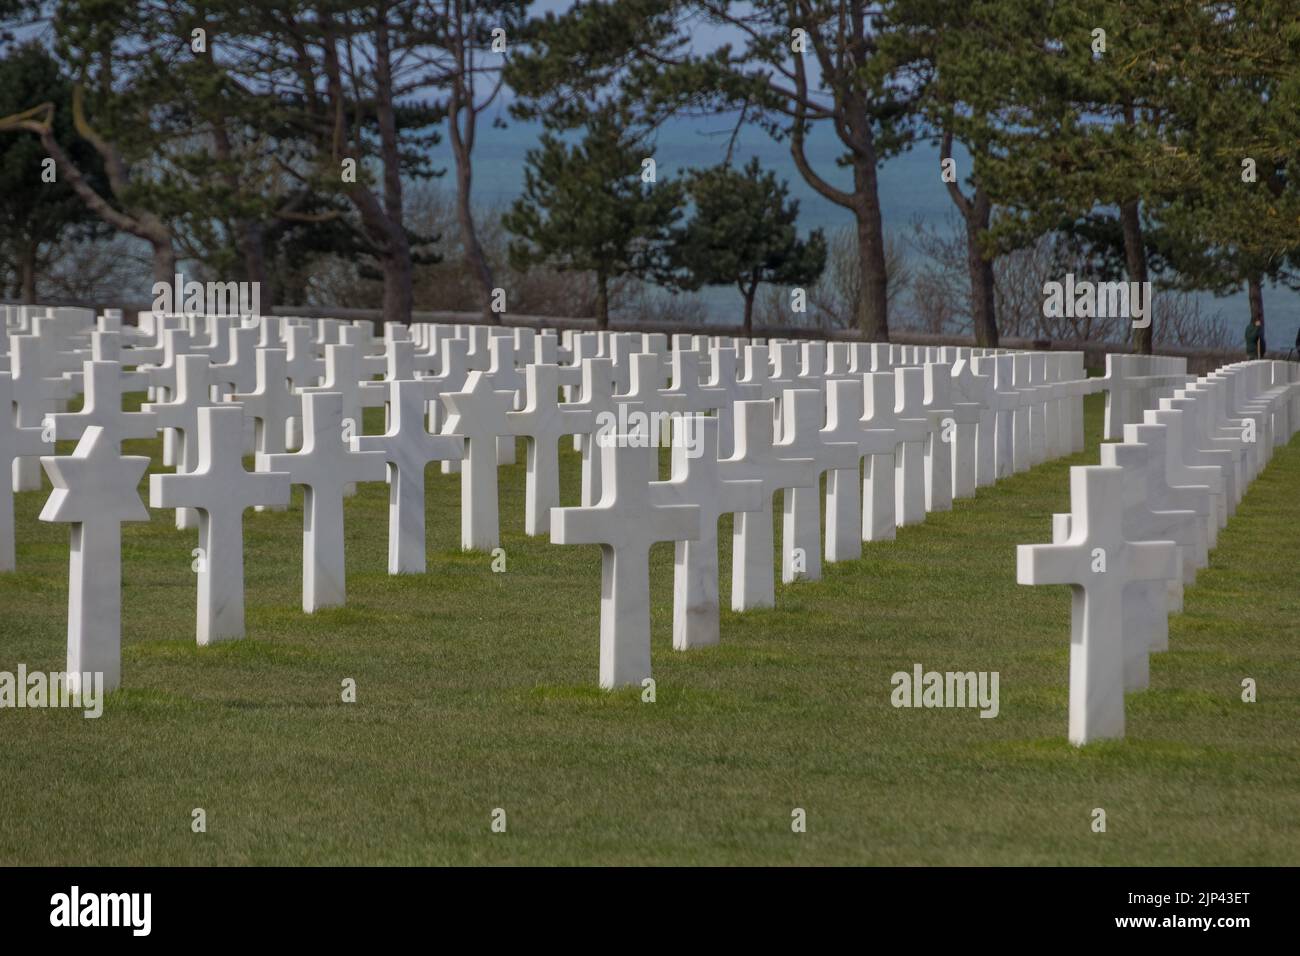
477	690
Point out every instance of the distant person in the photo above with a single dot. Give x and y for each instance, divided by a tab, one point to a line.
1255	346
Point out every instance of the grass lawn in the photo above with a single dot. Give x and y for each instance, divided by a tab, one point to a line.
476	690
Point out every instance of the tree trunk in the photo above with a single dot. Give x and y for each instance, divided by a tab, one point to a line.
602	301
983	303
462	148
164	265
1255	293
398	294
749	310
27	273
853	126
475	258
873	293
1135	258
252	245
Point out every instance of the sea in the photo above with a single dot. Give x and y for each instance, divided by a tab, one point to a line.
910	191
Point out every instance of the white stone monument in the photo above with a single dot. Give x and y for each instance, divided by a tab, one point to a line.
698	480
324	466
758	457
1099	562
408	447
478	414
543	421
625	523
95	490
16	442
220	490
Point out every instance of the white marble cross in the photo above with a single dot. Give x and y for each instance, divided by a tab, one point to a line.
399	358
361	335
1012	424
784	374
1194	502
844	408
698	480
1047	375
324	465
685	393
343	377
270	331
162	381
1182	473
103	407
812	360
478	414
58	353
479	356
303	363
1146	604
16	442
544	420
846	488
273	402
1196	451
723	383
1076	383
345	374
408	447
545	348
912	432
881	453
525	340
1227	423
758	374
96	488
215	345
219	489
505	377
453	370
193	390
34	396
1033	409
597	396
622	346
399	366
758	457
802	436
940	413
1099	562
973	430
1209	440
585	345
239	372
625	523
107	347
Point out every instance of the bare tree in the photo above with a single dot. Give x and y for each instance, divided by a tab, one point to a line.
468	52
349	79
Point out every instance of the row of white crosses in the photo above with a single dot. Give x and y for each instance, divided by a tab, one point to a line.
1143	521
780	415
829	427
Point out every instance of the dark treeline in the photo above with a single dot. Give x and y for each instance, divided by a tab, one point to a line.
290	143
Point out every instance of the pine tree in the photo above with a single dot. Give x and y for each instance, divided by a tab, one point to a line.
742	233
791	68
589	208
